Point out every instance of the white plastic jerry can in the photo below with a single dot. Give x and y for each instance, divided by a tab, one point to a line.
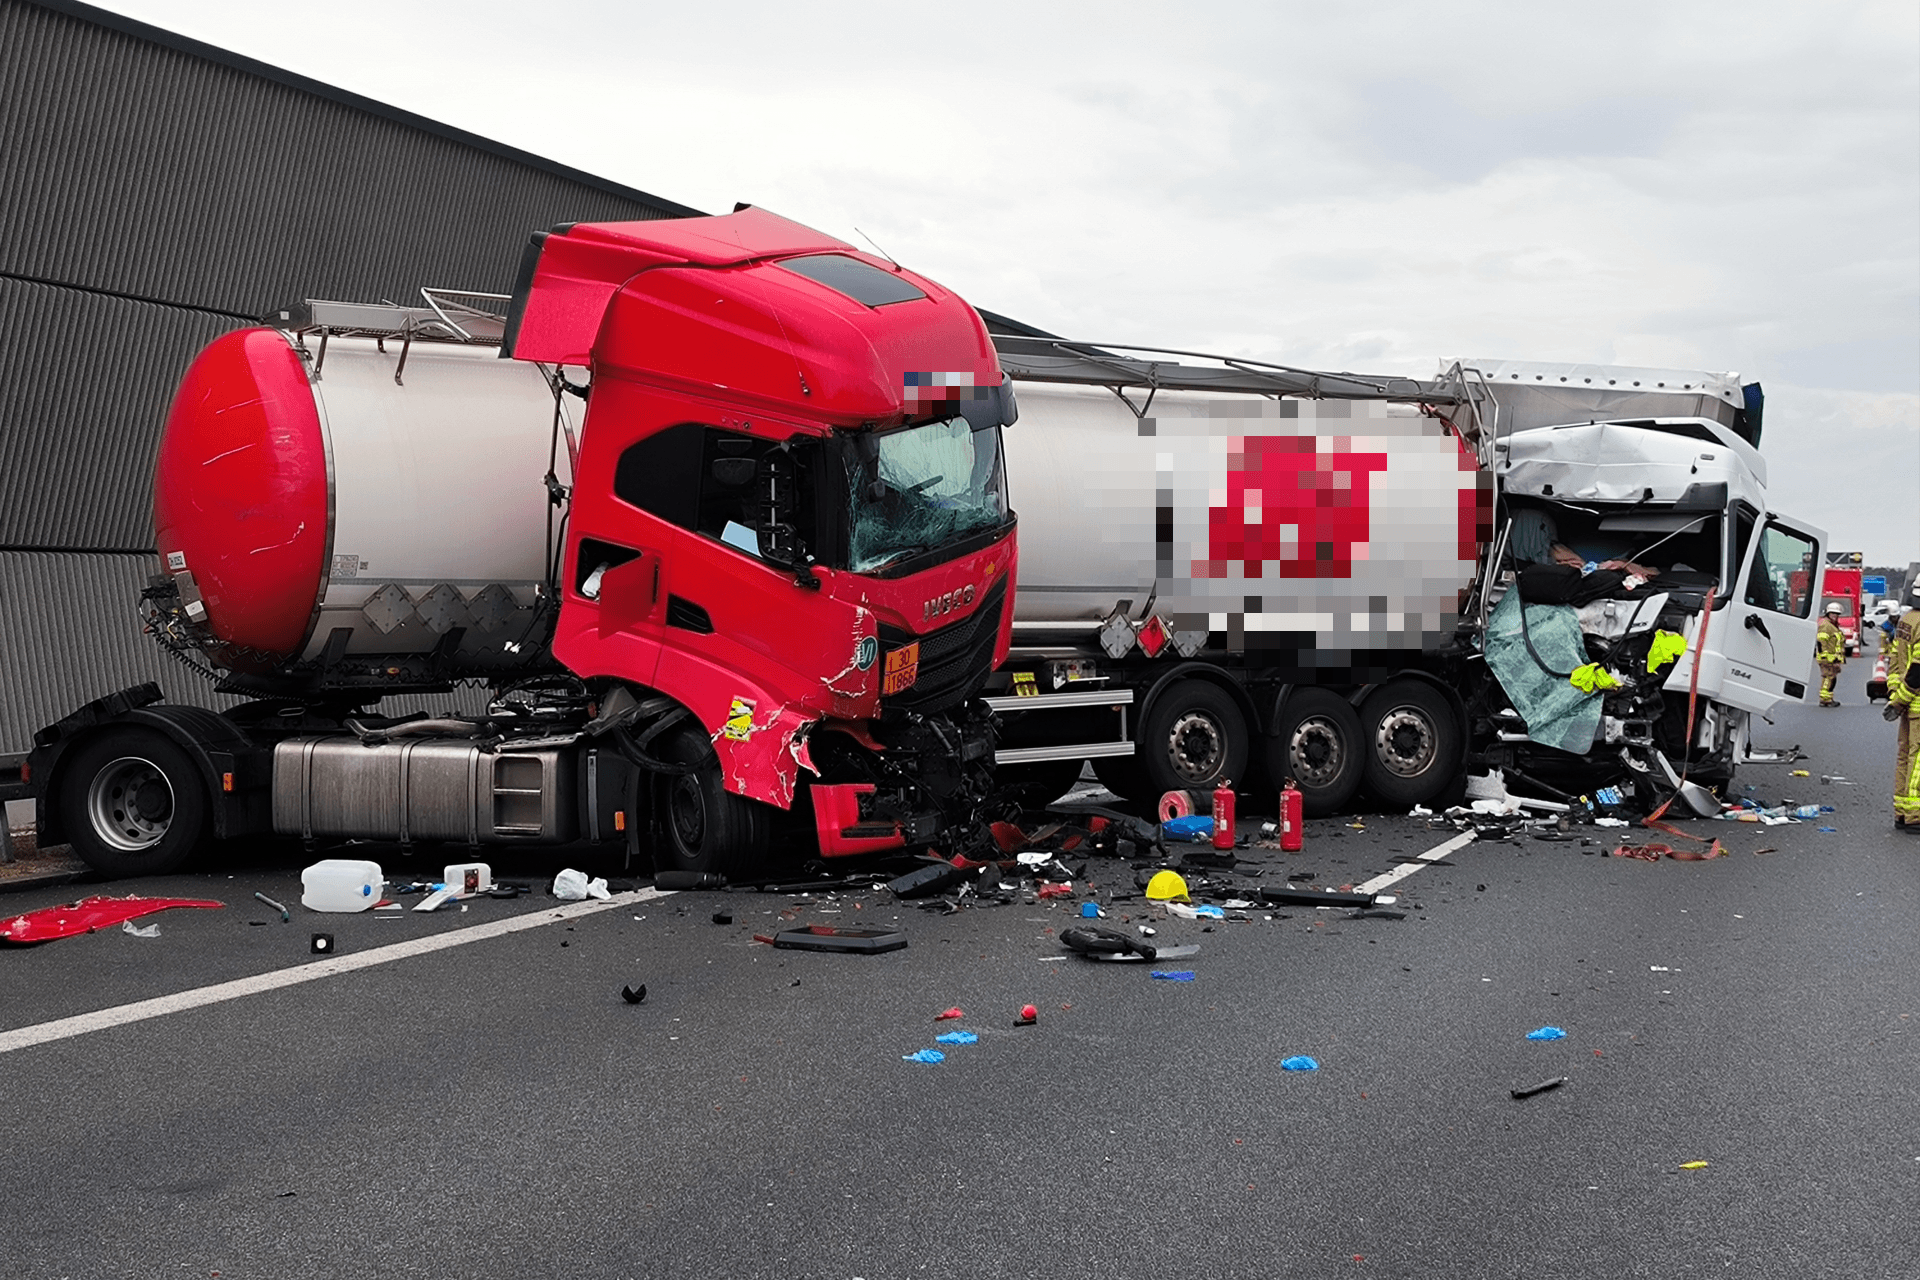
341	884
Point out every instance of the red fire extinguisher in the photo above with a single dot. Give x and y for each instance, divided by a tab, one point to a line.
1223	814
1291	833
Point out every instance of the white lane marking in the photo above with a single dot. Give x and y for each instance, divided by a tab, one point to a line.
1406	869
332	966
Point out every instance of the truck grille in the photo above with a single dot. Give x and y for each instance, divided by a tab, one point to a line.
954	661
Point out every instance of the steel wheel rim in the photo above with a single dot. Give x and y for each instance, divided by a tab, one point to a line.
1196	736
130	804
1390	736
1316	751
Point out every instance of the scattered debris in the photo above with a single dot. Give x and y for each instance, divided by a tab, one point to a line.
924	1055
341	885
1299	1062
320	944
634	995
949	1013
1694	1164
140	930
1542	1087
1173	975
691	880
1167	886
723	917
286	916
958	1037
1028	1016
568	886
934	878
838	939
1547	1033
86	915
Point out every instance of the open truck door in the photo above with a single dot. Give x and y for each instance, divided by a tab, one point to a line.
1759	648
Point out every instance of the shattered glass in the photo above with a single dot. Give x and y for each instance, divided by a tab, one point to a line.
915	489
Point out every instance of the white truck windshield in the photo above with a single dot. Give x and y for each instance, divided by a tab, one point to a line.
918	488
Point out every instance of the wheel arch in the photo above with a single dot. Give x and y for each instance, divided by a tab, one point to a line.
1203	671
215	745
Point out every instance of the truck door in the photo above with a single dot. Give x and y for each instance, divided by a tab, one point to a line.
1764	637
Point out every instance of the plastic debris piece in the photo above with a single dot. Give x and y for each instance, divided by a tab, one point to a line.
1694	1164
1193	827
85	916
568	886
945	1014
723	917
958	1037
1299	1062
924	1055
1830	830
1046	891
1542	1087
1166	886
686	880
140	930
1800	773
1195	913
1547	1033
826	937
286	916
1610	822
1028	1016
927	881
634	995
1174	975
320	944
1089	911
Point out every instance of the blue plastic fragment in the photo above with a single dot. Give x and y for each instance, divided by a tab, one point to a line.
924	1055
1830	830
1210	913
1299	1062
1174	975
1547	1033
1089	911
958	1037
1188	828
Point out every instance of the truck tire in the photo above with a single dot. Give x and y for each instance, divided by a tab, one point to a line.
703	826
1318	744
132	802
1193	738
1412	742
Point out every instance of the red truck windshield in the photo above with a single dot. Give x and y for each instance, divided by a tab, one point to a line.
920	488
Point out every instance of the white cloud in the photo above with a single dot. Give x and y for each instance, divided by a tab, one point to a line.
1657	183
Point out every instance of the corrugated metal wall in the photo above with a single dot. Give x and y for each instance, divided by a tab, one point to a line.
155	192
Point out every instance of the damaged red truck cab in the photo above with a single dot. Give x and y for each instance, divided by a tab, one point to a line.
789	517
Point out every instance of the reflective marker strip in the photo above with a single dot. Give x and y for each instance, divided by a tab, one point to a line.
180	1002
1406	869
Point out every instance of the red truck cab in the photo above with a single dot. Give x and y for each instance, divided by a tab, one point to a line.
789	522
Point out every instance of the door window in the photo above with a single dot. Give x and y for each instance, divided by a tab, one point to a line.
1784	572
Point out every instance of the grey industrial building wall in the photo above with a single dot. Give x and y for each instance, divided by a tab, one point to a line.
155	192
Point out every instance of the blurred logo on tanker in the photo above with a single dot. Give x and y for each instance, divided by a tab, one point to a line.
947	602
1293	504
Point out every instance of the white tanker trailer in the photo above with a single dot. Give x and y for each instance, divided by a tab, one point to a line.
1238	571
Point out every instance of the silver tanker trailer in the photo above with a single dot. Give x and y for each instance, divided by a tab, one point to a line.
1232	570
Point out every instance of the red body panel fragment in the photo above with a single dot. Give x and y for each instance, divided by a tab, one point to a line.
87	915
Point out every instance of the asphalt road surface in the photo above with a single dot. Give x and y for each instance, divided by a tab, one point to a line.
494	1108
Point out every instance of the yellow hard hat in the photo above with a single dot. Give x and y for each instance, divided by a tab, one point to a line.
1166	886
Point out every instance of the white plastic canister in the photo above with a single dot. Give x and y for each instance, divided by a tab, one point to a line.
341	884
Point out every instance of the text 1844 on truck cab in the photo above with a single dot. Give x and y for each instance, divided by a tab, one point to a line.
716	507
1260	573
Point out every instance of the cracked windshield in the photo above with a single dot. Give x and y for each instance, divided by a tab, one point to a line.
915	489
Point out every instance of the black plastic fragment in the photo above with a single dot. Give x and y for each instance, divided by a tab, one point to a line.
929	880
688	880
1091	940
1291	896
835	938
1542	1087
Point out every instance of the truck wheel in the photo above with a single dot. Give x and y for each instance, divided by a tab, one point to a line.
1194	738
1412	743
132	802
703	826
1318	744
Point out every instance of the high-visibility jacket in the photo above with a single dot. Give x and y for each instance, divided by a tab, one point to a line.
1830	644
1903	653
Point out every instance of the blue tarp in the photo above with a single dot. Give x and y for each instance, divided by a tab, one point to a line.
1557	714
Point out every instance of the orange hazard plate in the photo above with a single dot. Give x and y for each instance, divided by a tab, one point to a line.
903	668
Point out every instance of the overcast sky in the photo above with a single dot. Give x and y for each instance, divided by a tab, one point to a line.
1368	186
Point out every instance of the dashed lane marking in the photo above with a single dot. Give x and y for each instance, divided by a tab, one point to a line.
332	966
1406	869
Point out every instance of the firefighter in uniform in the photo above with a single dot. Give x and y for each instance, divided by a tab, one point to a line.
1903	705
1830	651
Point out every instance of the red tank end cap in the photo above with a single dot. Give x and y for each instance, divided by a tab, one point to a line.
240	490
